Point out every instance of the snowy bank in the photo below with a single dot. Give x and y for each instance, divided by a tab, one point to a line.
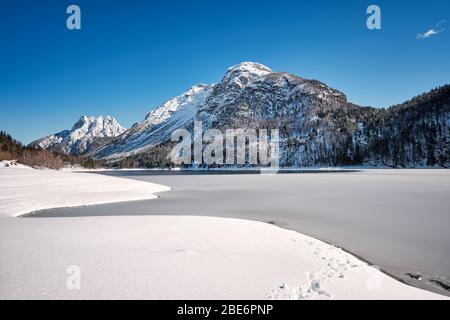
24	190
173	257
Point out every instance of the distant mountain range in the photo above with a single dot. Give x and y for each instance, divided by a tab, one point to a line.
318	126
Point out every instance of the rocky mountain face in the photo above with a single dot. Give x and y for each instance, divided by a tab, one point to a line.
249	96
318	126
86	136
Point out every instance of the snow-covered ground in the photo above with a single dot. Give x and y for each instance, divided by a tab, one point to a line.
162	257
24	190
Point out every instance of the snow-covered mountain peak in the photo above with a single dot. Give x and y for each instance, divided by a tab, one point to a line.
82	135
96	127
242	74
250	67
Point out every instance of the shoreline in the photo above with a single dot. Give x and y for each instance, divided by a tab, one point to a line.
383	216
27	190
284	226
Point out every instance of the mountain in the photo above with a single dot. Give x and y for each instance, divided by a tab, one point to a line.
318	125
87	134
248	93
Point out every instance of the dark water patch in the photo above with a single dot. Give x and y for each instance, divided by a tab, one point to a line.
440	284
414	276
278	223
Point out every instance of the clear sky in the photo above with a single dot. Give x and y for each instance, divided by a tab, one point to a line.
131	56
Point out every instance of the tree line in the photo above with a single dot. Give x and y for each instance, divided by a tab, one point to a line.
36	157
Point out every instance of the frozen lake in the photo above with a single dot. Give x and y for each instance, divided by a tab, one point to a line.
396	219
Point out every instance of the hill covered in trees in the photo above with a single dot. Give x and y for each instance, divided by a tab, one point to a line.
11	149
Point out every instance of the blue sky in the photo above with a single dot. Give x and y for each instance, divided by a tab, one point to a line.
131	56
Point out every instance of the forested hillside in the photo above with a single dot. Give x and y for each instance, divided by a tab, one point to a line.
11	149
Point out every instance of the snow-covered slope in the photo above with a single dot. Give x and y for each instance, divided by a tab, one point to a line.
159	124
86	132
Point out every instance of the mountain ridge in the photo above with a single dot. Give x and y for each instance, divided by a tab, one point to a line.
318	125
